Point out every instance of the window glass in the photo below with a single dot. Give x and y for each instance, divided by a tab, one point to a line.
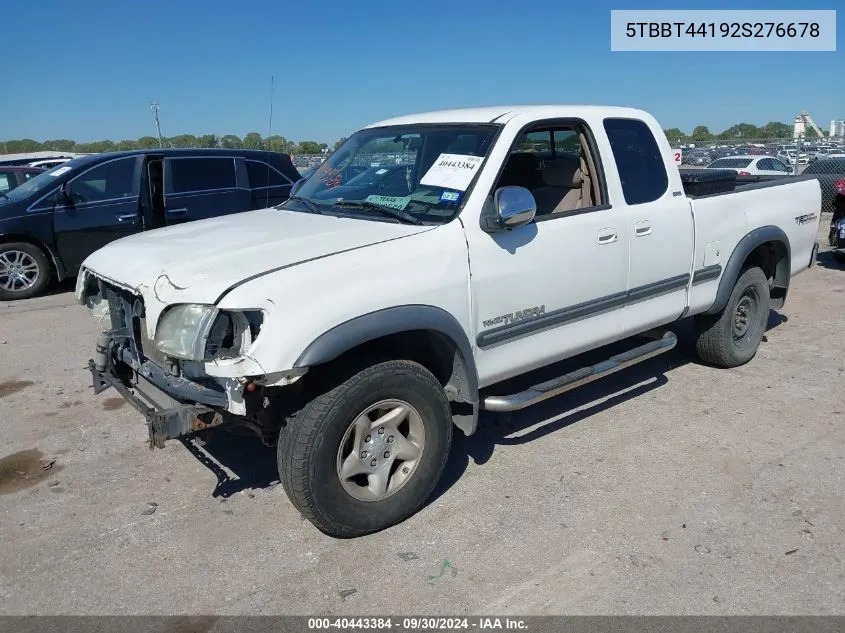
779	166
114	179
830	166
731	163
420	172
200	174
7	181
258	173
566	141
638	160
538	142
766	163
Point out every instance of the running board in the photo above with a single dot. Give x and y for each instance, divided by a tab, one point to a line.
557	386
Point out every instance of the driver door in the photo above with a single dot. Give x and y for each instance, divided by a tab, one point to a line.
103	206
554	287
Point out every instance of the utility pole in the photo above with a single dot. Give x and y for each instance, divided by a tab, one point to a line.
154	108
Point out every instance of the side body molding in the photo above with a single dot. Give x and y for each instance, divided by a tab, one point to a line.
463	384
743	249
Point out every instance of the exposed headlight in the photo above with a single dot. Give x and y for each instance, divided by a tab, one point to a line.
202	332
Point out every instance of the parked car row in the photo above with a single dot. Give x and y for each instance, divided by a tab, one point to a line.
13	176
50	222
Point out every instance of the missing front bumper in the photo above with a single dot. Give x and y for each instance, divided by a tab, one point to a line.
166	418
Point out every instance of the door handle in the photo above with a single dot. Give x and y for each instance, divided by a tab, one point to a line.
642	228
128	217
177	212
608	236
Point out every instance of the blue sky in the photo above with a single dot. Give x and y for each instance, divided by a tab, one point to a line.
88	69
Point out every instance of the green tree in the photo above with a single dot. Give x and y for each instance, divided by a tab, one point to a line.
207	141
183	140
253	140
701	133
277	143
741	131
59	145
147	142
338	143
311	147
774	129
23	145
230	141
674	135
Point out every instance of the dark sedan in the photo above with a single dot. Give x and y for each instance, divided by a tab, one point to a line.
830	173
12	176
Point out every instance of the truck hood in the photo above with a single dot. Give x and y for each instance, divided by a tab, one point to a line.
196	262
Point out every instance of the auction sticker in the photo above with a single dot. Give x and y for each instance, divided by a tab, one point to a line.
394	202
452	171
59	171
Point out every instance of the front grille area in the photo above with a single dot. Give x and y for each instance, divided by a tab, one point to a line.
126	311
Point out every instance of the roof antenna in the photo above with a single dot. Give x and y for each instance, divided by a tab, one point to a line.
269	135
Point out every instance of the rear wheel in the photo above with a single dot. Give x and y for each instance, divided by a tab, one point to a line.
367	453
732	337
24	271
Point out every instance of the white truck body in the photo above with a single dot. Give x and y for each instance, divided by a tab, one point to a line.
509	301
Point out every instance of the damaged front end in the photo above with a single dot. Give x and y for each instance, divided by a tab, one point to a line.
166	372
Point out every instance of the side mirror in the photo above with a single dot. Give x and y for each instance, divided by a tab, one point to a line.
515	206
64	196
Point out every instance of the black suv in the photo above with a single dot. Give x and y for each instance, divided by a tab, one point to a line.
51	223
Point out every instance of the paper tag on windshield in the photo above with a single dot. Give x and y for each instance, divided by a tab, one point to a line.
394	202
452	171
60	171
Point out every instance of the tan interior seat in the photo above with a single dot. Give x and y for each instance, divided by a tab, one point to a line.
567	187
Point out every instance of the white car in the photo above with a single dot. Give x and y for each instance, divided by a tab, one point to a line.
752	165
48	163
793	158
355	325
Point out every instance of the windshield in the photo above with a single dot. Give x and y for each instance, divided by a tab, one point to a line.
420	171
40	183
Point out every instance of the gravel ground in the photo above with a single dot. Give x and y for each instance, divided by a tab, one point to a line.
670	488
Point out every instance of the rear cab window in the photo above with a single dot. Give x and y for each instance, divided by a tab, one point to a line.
638	159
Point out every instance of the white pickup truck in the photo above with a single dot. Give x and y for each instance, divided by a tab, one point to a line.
429	259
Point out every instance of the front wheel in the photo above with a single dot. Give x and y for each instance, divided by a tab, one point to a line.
367	453
732	337
24	271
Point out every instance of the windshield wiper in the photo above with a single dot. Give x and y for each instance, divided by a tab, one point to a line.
313	207
393	213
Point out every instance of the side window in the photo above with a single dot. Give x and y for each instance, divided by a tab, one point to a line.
263	175
638	160
111	180
766	164
7	181
566	141
201	174
779	166
539	142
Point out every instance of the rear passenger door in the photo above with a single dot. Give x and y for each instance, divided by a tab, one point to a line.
267	185
199	187
661	226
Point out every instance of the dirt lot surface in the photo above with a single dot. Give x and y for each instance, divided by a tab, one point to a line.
670	488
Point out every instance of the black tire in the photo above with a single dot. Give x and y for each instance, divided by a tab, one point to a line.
43	274
721	339
307	451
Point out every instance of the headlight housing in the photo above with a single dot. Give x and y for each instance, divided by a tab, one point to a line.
202	332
